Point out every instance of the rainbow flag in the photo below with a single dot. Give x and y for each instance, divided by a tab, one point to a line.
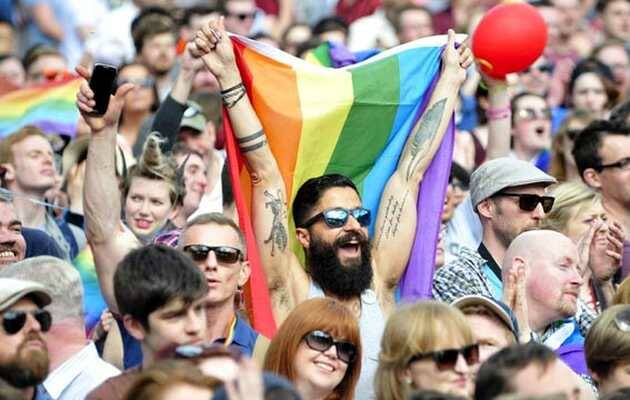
93	302
51	107
336	55
353	121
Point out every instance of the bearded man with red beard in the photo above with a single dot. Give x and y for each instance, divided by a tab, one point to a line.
23	352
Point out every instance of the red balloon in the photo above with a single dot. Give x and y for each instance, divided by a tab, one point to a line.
509	38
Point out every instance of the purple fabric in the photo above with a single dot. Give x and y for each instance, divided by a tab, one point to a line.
416	282
573	356
340	56
625	265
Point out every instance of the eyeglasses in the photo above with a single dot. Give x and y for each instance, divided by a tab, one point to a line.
548	68
447	359
573	133
623	164
529	202
322	341
338	216
14	321
145	83
242	16
224	254
622	320
530	114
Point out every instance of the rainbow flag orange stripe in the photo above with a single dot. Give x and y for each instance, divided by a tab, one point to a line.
50	107
353	121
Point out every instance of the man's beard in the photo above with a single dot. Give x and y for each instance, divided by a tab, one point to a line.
27	368
343	281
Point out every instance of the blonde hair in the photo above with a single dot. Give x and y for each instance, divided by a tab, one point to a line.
571	198
155	165
413	329
622	295
606	346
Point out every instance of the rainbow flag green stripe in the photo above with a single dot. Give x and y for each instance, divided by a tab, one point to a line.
50	107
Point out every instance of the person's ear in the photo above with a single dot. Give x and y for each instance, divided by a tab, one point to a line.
404	376
486	208
591	178
9	172
244	273
303	236
134	327
175	212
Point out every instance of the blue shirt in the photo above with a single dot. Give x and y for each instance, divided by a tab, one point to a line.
496	286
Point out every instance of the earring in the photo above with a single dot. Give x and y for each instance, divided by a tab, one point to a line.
408	381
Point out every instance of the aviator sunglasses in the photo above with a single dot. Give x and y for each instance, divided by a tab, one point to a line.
322	341
446	359
529	202
338	216
224	254
14	321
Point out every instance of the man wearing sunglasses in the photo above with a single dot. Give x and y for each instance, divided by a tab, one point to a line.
75	366
602	156
217	247
508	197
23	352
331	222
239	15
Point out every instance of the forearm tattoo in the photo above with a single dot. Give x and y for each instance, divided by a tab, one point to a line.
424	135
391	220
278	235
251	138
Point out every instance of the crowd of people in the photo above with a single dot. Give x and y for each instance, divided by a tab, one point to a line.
124	270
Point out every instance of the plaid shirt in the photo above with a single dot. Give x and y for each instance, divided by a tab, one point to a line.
464	276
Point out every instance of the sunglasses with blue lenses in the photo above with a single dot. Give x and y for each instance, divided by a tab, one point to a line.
338	216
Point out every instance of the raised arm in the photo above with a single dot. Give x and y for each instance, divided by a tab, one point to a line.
396	223
285	278
101	196
499	118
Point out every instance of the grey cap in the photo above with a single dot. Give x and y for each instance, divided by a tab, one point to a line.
13	290
495	175
193	117
498	308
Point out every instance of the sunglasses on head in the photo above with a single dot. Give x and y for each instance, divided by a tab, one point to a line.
447	359
14	321
338	216
322	341
224	254
622	320
573	133
530	114
242	16
529	202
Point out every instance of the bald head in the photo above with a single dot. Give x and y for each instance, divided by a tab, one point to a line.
536	244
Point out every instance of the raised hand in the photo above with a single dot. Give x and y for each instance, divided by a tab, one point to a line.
515	297
455	61
85	103
214	47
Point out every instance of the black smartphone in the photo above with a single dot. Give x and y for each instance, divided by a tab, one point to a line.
103	84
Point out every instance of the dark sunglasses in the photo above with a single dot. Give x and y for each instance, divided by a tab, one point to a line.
224	254
242	16
14	321
529	202
322	341
447	359
338	216
623	164
542	68
531	114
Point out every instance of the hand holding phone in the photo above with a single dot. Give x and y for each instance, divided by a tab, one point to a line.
103	84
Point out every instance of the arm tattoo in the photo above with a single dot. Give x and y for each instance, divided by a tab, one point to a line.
424	135
256	146
251	137
391	221
278	235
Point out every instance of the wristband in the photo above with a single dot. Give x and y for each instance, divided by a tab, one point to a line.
498	113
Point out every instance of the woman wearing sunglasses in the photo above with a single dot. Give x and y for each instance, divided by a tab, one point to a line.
426	346
318	348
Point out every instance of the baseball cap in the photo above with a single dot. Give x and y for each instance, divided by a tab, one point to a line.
498	308
193	117
13	290
495	175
